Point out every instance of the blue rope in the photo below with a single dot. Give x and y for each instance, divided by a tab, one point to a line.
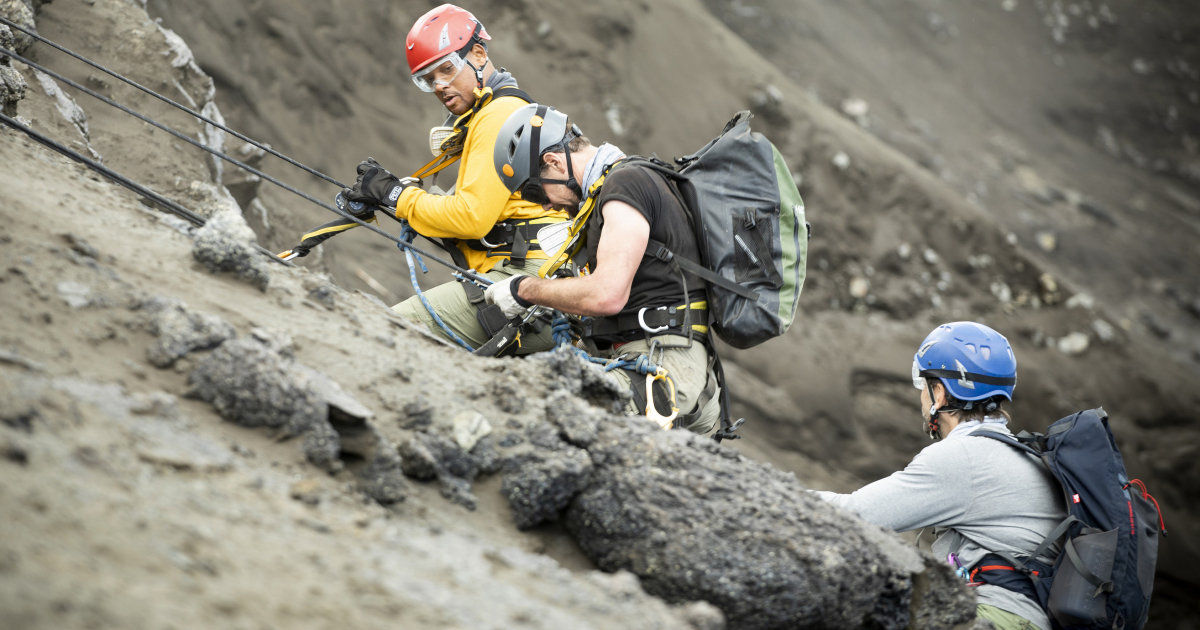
561	328
407	234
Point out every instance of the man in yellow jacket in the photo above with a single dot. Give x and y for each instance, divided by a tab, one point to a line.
483	225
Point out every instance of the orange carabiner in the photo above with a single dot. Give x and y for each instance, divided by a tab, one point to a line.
652	414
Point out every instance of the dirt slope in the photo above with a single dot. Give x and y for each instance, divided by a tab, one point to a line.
129	506
958	97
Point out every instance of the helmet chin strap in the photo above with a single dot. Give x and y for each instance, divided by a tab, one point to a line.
932	425
572	183
478	71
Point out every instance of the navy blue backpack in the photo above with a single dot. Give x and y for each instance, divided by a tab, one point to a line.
1103	577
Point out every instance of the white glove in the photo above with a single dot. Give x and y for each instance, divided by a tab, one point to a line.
504	295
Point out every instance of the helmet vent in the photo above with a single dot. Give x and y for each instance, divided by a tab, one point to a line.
512	143
971	347
986	352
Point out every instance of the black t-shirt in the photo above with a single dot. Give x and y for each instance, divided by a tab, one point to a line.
655	283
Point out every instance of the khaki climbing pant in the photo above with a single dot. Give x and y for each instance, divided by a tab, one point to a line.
451	303
1002	619
688	368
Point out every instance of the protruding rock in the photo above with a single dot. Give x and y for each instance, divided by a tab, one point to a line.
541	484
226	244
576	420
254	385
696	521
12	84
181	330
469	428
19	12
428	456
565	370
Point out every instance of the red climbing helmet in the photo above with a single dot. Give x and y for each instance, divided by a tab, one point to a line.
447	31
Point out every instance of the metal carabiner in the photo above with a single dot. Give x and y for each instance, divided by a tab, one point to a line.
664	422
483	239
642	320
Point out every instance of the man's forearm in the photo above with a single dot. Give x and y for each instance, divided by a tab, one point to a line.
577	296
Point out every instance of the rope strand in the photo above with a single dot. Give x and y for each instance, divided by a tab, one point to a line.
469	274
168	101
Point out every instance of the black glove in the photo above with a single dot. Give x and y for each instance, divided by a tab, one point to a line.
356	208
376	186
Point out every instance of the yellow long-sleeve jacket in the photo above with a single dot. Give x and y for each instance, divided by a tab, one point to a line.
480	200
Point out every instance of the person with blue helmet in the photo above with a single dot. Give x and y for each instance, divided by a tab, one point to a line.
983	498
975	366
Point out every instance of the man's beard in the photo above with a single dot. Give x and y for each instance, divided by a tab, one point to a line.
571	209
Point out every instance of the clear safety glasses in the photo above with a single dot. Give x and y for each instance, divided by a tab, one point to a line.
918	380
441	72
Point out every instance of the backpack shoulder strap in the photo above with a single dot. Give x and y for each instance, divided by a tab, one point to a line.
512	90
659	250
1007	439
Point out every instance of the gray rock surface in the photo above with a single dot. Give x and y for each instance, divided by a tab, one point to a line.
12	84
541	484
575	420
20	12
429	455
226	244
254	382
181	330
699	522
696	521
567	372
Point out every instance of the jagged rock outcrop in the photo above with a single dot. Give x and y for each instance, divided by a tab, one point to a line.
21	13
542	483
12	84
226	244
255	381
696	521
182	330
430	455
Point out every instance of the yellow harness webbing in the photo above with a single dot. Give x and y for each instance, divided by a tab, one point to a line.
574	243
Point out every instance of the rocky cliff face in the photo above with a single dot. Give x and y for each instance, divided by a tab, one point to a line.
180	418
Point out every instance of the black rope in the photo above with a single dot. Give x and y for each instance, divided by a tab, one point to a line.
168	205
186	138
164	99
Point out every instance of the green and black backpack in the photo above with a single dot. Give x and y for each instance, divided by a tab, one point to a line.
750	228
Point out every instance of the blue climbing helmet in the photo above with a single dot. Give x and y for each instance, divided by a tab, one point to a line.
975	364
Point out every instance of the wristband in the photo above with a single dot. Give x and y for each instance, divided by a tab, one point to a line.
514	286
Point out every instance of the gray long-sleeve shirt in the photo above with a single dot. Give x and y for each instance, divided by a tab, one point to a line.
979	494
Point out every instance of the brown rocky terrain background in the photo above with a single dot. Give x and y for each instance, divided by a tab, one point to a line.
1032	165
